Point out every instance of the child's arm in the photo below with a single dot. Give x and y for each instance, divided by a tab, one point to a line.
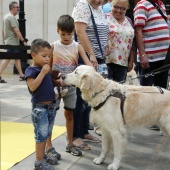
51	56
32	83
83	55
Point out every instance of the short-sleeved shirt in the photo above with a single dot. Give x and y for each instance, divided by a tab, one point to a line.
10	22
65	57
120	41
45	91
155	30
81	13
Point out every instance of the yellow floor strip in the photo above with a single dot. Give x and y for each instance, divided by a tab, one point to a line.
17	142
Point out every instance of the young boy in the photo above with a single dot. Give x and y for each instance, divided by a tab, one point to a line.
43	104
65	59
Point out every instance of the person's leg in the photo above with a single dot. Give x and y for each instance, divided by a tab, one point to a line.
79	109
40	121
85	120
18	66
3	66
69	106
161	79
148	81
51	154
120	73
69	125
110	71
40	149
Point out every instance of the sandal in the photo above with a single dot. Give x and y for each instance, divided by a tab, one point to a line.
51	156
21	78
93	139
55	153
2	81
97	130
73	150
84	147
81	145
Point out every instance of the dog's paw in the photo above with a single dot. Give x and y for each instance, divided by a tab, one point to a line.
98	161
63	92
112	167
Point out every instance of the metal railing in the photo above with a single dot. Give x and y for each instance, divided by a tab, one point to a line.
23	55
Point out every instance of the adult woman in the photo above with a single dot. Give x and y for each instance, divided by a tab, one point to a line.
87	37
120	54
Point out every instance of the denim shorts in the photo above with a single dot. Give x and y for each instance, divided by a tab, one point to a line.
43	121
69	99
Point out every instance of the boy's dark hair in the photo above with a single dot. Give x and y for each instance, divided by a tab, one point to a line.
66	23
38	44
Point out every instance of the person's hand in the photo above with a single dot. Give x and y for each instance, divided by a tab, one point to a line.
25	43
93	61
144	62
45	69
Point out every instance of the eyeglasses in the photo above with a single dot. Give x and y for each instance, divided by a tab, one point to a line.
119	7
16	7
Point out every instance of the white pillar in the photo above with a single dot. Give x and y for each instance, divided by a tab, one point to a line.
1	19
70	5
45	20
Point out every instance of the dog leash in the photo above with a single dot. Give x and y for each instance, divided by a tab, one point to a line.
152	73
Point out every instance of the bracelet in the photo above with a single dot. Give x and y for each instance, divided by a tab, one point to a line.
142	55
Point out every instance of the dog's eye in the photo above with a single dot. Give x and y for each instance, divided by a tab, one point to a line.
76	72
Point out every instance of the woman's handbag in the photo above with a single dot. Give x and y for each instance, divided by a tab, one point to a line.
102	67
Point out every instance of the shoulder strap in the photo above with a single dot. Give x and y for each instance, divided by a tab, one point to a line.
158	9
95	30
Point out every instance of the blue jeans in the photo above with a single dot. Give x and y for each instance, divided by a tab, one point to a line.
156	80
116	72
43	121
81	117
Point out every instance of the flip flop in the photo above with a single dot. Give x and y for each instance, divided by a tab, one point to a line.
84	147
94	140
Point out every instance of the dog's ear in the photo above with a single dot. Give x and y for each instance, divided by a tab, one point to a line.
85	82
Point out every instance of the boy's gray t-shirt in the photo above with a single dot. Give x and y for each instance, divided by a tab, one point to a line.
9	23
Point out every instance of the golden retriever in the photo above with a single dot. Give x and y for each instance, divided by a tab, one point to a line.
132	78
143	105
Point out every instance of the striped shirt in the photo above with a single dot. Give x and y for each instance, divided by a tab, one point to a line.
155	30
81	13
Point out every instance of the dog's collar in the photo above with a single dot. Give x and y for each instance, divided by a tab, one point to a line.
116	94
95	94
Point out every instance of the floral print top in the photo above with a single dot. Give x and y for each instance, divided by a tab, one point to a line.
120	40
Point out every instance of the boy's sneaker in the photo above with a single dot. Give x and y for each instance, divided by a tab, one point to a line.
73	150
42	165
51	156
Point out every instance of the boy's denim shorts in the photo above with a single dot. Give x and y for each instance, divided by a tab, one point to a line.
69	99
43	117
